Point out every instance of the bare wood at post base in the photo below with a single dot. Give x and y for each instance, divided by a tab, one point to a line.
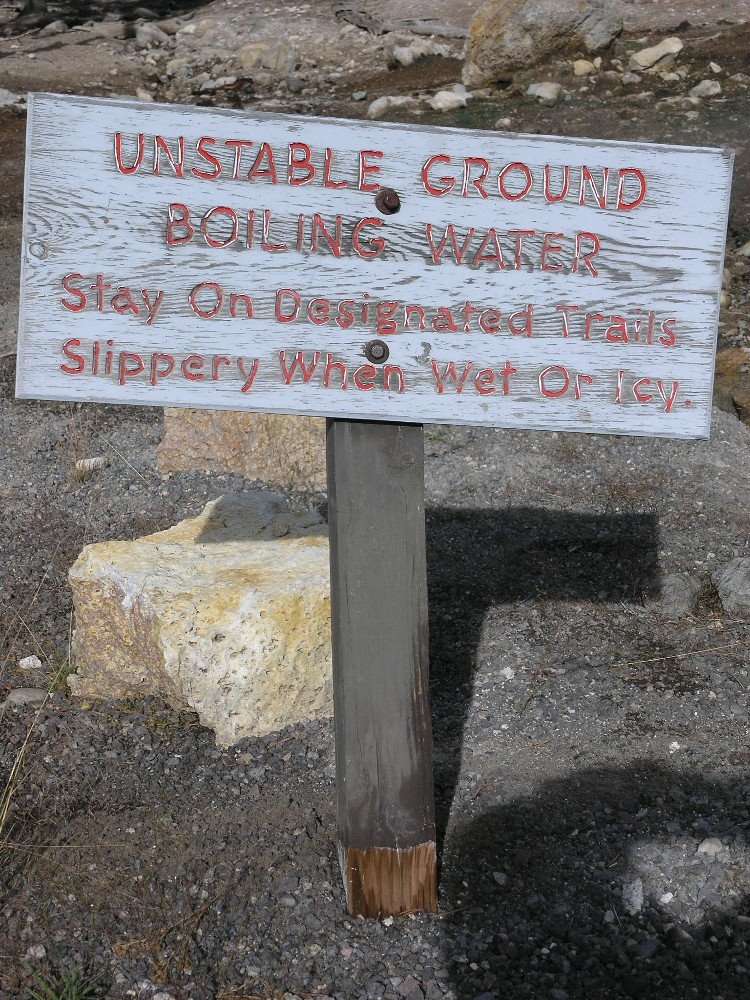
380	666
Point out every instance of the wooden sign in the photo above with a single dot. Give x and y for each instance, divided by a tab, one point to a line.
383	276
199	257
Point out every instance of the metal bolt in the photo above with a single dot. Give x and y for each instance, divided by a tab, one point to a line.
387	201
376	351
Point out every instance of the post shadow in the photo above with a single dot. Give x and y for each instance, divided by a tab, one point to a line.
480	558
562	855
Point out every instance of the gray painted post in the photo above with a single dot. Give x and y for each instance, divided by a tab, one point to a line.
380	666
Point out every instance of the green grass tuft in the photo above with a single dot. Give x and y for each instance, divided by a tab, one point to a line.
66	986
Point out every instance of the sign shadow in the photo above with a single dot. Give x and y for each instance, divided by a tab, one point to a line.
535	891
481	558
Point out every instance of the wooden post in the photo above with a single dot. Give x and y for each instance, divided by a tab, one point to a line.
380	666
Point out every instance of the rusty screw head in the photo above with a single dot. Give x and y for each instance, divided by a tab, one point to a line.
376	351
387	201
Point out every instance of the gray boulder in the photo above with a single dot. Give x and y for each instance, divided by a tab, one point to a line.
677	594
733	584
510	35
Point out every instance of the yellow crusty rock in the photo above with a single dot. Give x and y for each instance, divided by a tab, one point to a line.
227	613
281	450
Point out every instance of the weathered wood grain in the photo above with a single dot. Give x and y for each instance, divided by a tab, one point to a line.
385	881
380	666
82	215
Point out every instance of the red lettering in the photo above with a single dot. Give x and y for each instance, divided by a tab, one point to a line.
238	145
249	378
565	310
477	182
489	320
197	308
124	372
587	178
218	359
388	372
327	182
264	164
436	252
377	243
300	163
206	175
670	337
235	299
192	367
340	368
549	247
586	257
81	296
228	213
450	374
505	374
175	161
565	185
281	317
265	244
642	397
368	168
78	358
158	372
319	311
554	370
174	221
363	373
623	205
528	181
298	364
447	183
319	226
484	381
118	154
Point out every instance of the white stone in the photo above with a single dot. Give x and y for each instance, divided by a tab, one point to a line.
732	580
383	105
632	896
711	845
547	93
714	67
227	614
582	67
706	88
9	98
405	55
447	100
661	55
279	57
177	66
628	78
30	663
149	34
744	250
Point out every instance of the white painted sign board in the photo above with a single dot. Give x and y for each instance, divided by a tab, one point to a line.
180	256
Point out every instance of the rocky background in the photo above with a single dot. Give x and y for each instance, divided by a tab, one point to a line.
589	596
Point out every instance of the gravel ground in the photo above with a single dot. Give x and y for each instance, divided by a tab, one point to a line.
590	741
591	720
